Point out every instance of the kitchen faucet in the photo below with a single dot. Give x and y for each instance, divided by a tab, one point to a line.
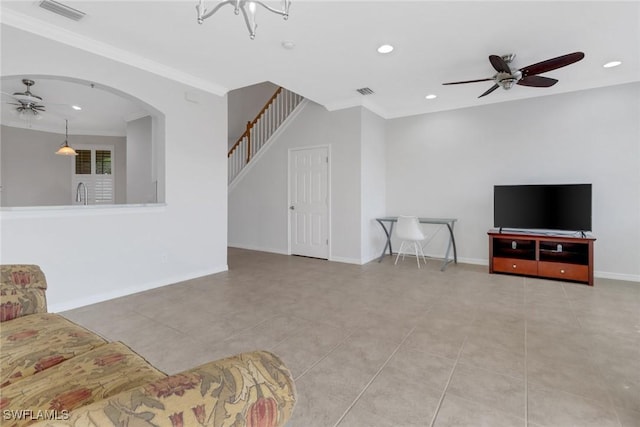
79	197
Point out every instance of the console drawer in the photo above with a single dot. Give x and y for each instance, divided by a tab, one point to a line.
559	270
516	266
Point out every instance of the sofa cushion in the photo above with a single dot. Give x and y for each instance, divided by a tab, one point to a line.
22	291
26	276
15	302
98	374
33	343
249	389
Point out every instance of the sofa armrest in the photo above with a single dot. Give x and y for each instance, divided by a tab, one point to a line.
249	389
22	291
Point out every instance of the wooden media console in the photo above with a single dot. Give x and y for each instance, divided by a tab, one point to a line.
551	257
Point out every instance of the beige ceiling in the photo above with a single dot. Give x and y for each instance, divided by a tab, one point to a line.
336	41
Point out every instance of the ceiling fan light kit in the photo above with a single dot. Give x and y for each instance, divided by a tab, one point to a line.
28	102
248	9
526	76
28	106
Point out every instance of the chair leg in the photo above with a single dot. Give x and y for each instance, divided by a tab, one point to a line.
399	252
424	258
415	247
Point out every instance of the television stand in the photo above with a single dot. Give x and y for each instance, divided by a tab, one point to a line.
544	256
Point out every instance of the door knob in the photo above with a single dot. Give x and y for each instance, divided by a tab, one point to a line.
293	208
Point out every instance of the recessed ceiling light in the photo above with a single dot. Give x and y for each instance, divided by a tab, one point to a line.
385	48
431	96
76	107
612	64
288	44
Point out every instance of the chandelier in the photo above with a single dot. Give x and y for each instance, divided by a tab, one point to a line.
242	6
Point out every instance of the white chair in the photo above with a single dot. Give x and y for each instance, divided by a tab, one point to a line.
408	230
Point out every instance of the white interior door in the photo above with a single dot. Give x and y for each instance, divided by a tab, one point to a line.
309	202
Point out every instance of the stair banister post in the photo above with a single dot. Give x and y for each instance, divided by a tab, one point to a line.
248	141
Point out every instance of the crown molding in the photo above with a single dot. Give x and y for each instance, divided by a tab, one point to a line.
45	29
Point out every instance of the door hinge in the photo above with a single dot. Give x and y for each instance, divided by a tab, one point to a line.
327	158
327	241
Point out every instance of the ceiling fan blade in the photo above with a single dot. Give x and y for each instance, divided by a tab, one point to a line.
499	64
552	64
6	97
537	81
468	81
494	87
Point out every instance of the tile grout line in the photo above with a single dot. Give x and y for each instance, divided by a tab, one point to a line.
453	369
364	389
325	356
446	386
599	371
338	345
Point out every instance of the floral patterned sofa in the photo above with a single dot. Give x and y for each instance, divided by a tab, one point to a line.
54	372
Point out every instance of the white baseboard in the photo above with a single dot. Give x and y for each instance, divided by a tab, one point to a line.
345	260
93	299
258	248
284	252
617	276
439	256
371	258
474	261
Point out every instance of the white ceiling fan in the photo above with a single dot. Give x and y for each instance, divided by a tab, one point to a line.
90	108
28	106
26	102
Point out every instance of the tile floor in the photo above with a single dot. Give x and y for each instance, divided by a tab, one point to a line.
384	345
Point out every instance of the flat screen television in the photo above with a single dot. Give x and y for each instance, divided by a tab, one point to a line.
547	207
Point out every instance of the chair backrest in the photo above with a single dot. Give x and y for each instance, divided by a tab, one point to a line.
408	228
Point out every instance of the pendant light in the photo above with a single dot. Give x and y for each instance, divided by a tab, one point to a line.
64	149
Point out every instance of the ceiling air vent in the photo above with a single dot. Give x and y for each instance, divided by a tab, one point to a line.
365	91
62	9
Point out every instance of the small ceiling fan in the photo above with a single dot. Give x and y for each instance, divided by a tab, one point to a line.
526	76
27	102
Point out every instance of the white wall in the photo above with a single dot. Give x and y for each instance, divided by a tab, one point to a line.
258	210
139	247
32	175
140	188
445	165
373	200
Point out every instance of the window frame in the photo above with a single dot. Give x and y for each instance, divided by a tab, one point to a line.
91	180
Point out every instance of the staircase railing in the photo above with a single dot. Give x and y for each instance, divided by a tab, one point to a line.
260	129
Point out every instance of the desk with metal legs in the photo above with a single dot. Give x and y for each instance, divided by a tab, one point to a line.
449	222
